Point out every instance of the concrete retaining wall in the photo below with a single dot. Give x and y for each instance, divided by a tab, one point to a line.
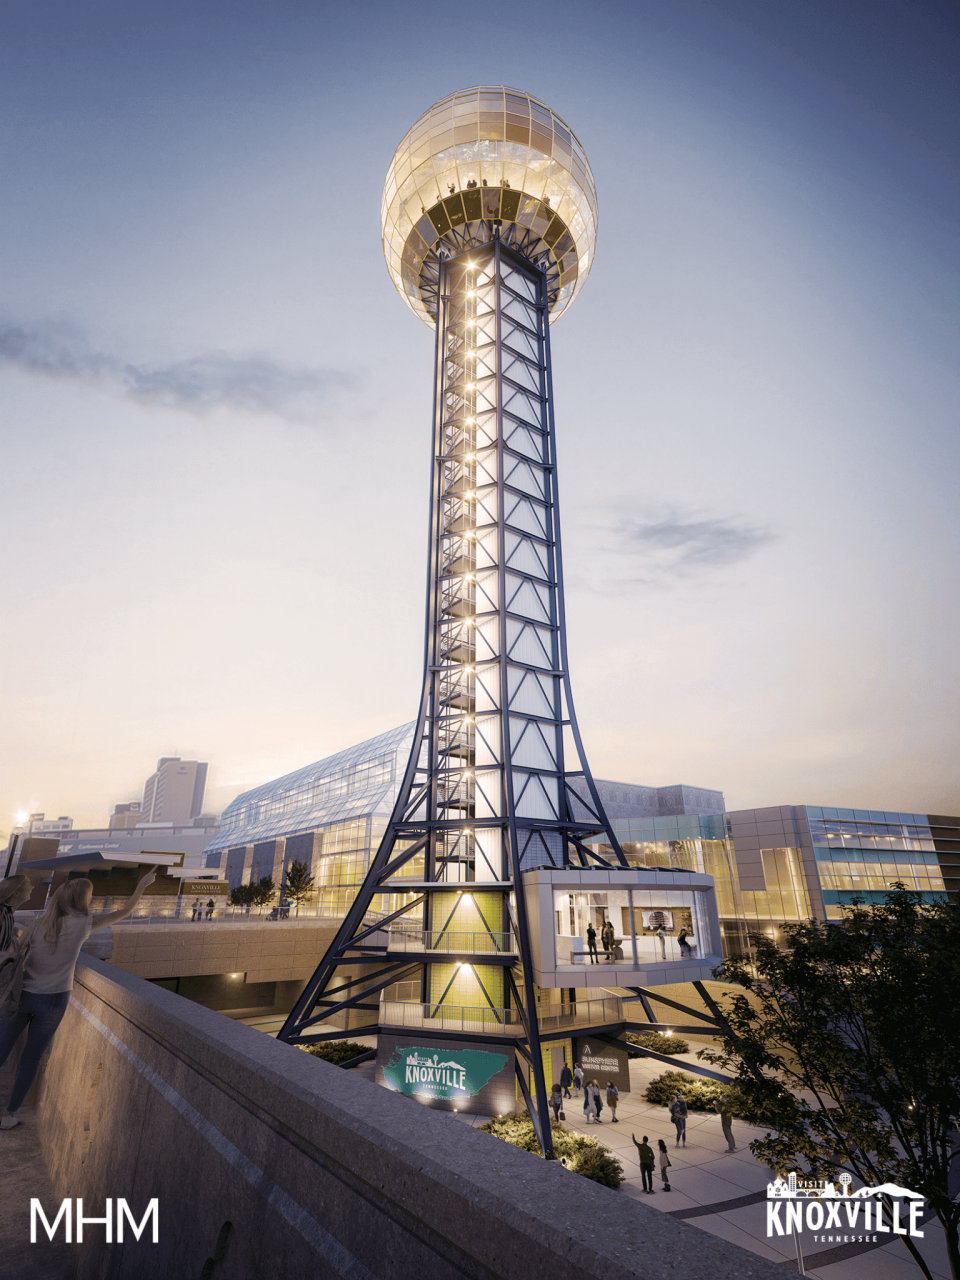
267	1162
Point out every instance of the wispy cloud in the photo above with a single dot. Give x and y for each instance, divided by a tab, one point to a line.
199	385
659	547
689	546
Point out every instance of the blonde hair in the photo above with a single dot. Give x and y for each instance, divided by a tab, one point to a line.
11	886
71	899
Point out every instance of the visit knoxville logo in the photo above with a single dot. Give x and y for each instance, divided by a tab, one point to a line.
822	1207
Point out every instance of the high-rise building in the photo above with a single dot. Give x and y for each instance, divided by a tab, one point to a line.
125	816
175	792
489	221
40	824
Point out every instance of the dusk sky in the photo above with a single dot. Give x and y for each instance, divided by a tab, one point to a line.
217	409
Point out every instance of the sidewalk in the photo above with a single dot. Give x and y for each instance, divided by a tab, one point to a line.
723	1192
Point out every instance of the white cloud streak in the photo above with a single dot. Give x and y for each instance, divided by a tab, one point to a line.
199	385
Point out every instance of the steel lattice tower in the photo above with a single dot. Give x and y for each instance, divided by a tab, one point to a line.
497	782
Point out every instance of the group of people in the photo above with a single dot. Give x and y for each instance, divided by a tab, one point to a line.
593	1105
592	1095
36	969
608	940
198	910
648	1159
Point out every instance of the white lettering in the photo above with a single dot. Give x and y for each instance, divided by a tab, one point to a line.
853	1212
833	1214
867	1206
105	1222
123	1210
794	1212
814	1211
915	1208
901	1231
773	1217
65	1212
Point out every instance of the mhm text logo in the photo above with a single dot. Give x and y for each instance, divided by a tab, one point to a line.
839	1215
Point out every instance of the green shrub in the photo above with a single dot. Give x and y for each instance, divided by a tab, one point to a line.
335	1051
659	1042
699	1093
581	1154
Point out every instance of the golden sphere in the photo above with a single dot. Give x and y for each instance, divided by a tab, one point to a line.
483	162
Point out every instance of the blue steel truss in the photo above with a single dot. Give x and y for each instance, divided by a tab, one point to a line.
497	781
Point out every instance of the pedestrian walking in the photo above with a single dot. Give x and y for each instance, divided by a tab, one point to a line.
723	1109
682	942
51	946
577	1080
678	1114
587	1102
646	1162
613	1097
556	1101
566	1079
592	944
662	935
209	908
597	1098
664	1164
197	910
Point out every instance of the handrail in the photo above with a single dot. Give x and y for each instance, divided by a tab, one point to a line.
476	942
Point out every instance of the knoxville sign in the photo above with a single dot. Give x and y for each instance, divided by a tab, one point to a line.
457	1074
793	1205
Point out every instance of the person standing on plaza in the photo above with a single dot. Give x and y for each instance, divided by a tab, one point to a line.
596	1098
664	1164
587	1101
723	1109
52	945
662	935
592	944
613	1097
556	1101
197	910
682	942
678	1114
566	1079
210	905
647	1161
577	1080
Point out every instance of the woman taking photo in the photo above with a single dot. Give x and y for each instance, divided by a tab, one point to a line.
52	945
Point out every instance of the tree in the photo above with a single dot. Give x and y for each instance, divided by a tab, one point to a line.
298	883
262	891
240	896
846	1044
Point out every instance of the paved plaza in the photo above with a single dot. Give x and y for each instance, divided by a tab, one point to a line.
717	1190
725	1192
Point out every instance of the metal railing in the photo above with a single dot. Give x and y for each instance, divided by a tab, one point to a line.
580	1013
453	1017
480	942
449	1017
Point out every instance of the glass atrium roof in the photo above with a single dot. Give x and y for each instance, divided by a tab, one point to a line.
361	780
484	155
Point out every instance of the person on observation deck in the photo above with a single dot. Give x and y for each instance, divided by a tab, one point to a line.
51	946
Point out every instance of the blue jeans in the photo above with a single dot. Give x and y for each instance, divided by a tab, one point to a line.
41	1014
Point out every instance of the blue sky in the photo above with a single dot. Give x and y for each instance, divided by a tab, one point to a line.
216	409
